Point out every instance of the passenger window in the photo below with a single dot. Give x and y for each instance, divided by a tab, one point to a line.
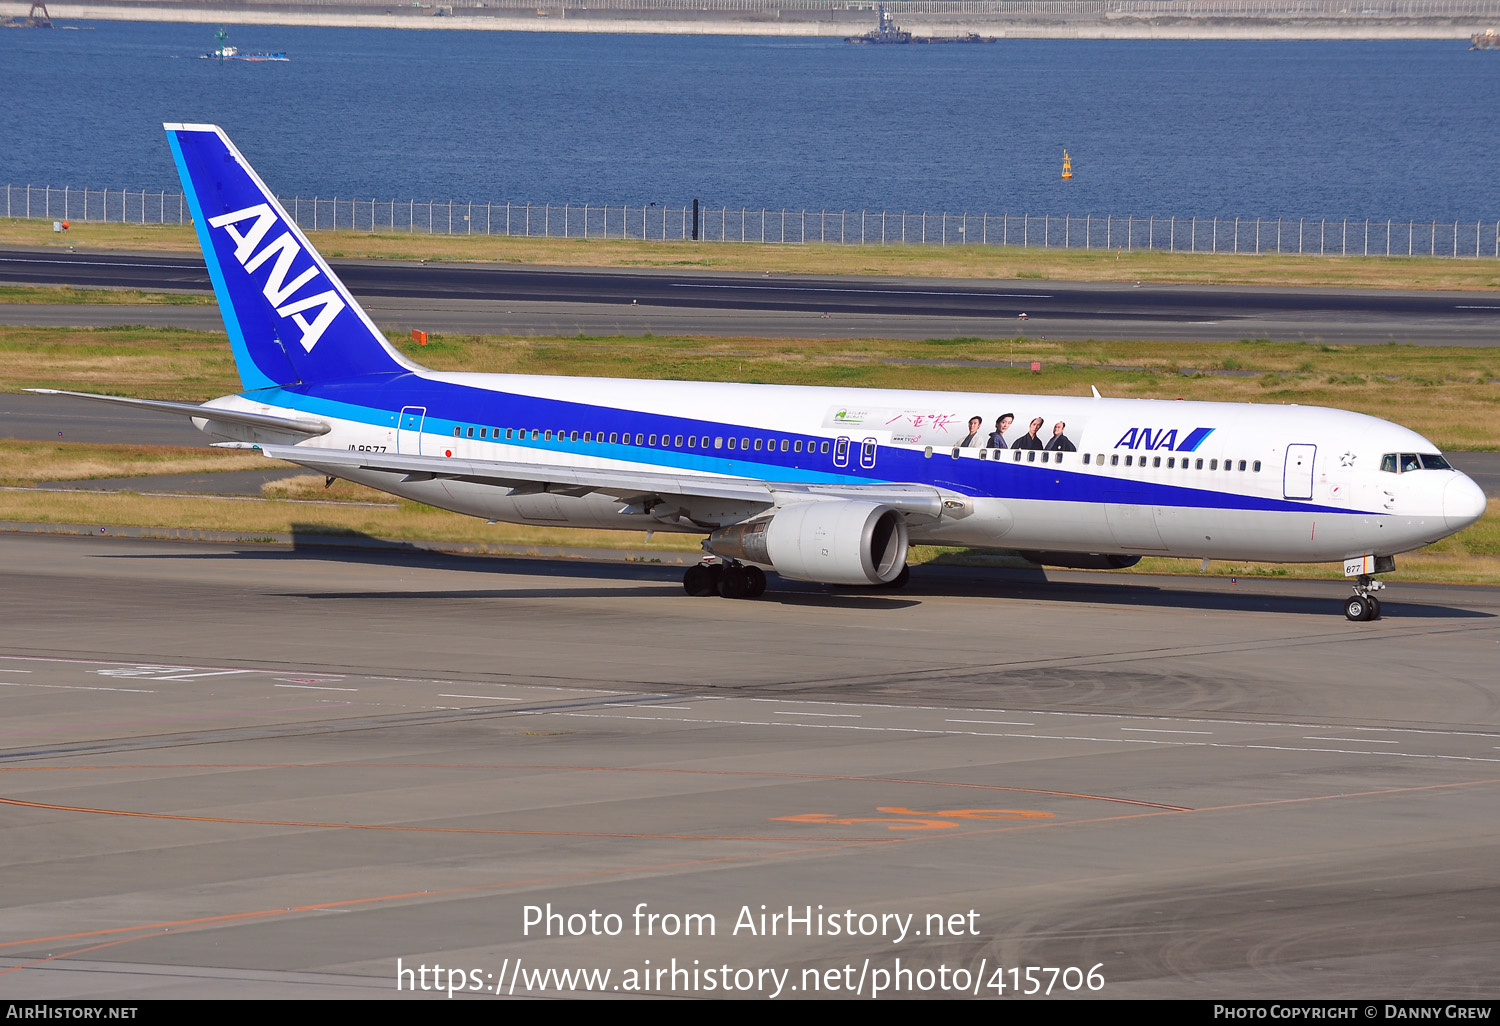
458	432
1242	466
1030	455
785	445
692	441
640	439
678	441
955	452
984	454
651	440
1127	460
745	443
1155	461
757	444
1057	457
1114	459
546	436
483	432
1213	464
1171	462
927	453
719	441
1256	466
823	447
573	437
1018	455
1086	459
508	433
1199	465
614	438
536	433
732	442
797	445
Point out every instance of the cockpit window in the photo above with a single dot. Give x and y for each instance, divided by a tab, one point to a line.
1402	463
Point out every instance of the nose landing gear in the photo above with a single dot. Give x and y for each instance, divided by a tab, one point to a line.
1363	605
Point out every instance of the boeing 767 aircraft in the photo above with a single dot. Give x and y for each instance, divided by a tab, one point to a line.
825	484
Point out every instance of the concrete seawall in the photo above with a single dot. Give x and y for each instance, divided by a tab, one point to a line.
790	23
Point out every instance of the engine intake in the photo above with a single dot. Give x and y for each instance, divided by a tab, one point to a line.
832	541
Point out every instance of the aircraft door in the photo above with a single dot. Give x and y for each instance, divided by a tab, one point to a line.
867	453
409	430
841	451
1297	478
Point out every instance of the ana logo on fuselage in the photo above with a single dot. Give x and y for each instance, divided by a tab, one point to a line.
1164	438
277	289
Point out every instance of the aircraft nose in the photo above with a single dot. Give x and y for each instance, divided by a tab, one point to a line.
1463	502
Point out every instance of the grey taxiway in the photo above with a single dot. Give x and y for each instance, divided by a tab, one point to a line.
247	770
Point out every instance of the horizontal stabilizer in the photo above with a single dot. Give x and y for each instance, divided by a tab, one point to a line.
300	425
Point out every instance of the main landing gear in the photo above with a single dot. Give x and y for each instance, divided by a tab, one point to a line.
1363	605
727	578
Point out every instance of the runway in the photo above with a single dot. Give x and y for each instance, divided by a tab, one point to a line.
499	299
250	771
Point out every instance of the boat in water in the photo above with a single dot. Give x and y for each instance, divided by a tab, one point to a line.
225	52
888	33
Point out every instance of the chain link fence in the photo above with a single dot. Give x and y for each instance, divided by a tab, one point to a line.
650	221
1049	8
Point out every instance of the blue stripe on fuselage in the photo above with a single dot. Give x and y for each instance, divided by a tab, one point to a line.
376	399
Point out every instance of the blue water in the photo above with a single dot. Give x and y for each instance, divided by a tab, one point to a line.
1293	129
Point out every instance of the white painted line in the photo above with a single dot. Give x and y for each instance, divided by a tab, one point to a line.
311	687
72	687
483	698
831	716
996	723
861	292
1355	740
211	673
1157	730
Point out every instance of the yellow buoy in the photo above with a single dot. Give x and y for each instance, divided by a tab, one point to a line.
1067	166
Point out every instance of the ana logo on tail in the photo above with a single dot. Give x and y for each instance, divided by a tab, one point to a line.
277	289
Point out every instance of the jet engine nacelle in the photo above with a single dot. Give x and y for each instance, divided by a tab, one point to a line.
831	541
1082	560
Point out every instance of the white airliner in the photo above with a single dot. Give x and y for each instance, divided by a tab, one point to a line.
824	484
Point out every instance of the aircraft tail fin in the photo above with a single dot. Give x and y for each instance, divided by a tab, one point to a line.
290	320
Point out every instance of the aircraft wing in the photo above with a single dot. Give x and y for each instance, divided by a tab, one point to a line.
642	488
298	425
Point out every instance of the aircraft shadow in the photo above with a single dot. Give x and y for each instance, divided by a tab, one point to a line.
1253	594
